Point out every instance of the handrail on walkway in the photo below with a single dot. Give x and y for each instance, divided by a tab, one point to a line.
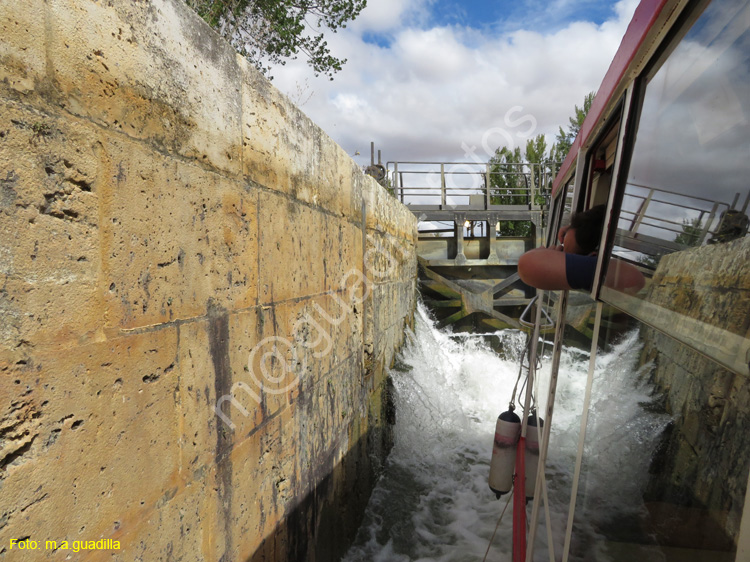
471	185
659	221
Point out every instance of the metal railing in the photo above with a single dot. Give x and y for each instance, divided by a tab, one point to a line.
657	221
471	185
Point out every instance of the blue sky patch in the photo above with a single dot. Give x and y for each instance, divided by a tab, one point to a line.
504	16
382	40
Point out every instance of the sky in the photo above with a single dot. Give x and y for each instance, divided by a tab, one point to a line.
444	80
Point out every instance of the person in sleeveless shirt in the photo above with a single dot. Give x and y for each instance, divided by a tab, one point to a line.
572	263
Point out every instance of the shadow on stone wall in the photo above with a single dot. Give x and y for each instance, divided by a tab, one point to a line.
324	523
698	474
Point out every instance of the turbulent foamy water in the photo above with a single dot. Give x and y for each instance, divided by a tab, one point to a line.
433	502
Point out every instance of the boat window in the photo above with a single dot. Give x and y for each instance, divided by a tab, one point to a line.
683	227
561	210
602	159
665	451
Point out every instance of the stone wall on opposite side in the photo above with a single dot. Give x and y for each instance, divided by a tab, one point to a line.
200	296
704	457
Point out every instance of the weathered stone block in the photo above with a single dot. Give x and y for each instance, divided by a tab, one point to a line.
388	259
706	453
23	48
709	283
176	236
285	151
190	511
343	253
350	181
385	213
263	485
293	235
95	438
295	350
132	267
49	232
147	72
253	509
198	422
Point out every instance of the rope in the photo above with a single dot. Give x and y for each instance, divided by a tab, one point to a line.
525	363
582	436
521	522
492	538
545	434
512	405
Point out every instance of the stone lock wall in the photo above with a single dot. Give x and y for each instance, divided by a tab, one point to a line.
175	235
705	456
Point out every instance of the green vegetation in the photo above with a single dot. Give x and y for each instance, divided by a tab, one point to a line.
692	229
510	177
691	232
268	32
41	132
564	139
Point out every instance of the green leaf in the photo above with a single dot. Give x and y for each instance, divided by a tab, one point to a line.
269	32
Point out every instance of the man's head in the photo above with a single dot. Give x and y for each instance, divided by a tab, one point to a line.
584	232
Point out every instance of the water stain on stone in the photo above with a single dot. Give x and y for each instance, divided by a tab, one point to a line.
218	338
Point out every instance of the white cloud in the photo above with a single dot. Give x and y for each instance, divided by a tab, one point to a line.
435	55
432	89
381	16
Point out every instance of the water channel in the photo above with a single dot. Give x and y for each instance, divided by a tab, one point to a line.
433	502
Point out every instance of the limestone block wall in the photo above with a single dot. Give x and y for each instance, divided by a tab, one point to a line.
199	294
705	457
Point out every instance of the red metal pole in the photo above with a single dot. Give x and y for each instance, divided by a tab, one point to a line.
519	503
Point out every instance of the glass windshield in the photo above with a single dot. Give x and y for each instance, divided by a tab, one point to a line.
684	220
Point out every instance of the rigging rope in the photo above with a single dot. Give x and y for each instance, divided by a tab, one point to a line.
520	372
492	538
524	363
531	360
544	441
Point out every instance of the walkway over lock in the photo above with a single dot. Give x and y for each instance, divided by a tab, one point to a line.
476	219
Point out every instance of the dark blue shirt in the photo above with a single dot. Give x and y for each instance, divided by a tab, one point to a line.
580	271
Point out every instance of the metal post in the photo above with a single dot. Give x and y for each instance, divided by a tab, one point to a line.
562	305
533	187
710	219
443	198
581	434
493	258
641	212
536	220
487	186
458	222
398	184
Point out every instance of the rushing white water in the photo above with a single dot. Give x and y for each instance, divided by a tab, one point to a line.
433	502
